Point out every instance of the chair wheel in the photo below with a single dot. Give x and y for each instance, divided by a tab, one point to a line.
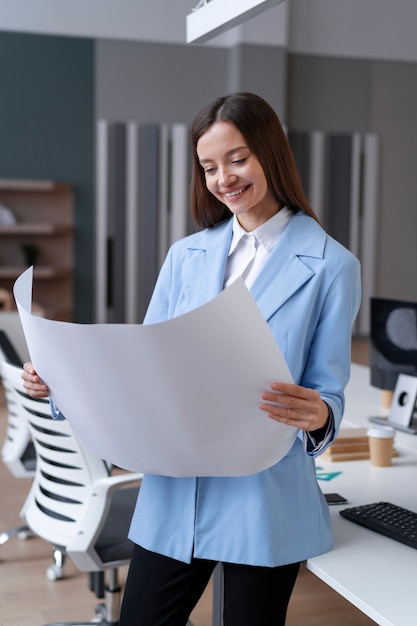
25	534
53	572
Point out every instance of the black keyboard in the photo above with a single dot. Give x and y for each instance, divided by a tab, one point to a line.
387	519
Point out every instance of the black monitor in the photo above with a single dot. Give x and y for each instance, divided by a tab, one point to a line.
393	341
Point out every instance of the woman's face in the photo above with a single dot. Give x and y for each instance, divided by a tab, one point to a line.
234	175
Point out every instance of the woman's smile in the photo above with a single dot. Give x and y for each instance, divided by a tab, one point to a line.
238	192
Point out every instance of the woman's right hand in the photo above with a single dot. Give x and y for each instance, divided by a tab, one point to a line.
34	386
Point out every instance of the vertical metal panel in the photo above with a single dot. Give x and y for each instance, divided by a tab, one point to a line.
369	228
148	215
101	219
218	593
317	173
132	222
117	203
338	188
300	145
179	182
355	194
164	193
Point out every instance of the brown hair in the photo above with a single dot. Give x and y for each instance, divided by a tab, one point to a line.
260	126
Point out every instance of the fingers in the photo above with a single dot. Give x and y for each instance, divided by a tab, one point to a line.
293	405
295	391
32	383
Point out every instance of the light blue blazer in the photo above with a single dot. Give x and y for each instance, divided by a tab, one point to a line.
309	293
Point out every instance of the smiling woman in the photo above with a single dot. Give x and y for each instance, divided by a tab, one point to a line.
255	224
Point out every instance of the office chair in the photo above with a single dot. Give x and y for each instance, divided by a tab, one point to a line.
18	451
74	504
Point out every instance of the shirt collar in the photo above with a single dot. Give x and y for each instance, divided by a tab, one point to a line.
267	234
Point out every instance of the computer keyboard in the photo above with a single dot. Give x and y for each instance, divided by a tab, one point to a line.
387	519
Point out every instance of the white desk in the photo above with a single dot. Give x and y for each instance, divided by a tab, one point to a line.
375	573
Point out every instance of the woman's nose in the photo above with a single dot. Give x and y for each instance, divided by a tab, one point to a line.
226	177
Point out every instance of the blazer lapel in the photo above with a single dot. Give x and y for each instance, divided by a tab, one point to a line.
203	272
287	268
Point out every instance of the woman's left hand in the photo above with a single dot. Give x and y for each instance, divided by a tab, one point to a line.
296	406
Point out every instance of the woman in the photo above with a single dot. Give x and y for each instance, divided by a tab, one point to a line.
256	223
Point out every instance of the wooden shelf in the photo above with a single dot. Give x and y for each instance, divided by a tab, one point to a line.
43	225
17	184
28	229
39	272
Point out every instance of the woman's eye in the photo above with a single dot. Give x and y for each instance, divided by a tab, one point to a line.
209	170
238	161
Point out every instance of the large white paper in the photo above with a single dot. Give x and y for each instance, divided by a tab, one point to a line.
179	398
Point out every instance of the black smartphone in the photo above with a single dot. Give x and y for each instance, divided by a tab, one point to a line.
335	498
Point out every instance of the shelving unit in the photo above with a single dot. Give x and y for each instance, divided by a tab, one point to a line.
43	211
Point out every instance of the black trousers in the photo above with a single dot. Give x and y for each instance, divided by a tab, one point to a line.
161	591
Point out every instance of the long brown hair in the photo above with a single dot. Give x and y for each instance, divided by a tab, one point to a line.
260	126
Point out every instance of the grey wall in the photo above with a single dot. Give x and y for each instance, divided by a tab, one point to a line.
329	94
262	70
53	89
375	96
156	83
393	115
46	129
147	82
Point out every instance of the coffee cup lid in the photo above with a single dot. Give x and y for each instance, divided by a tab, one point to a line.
383	432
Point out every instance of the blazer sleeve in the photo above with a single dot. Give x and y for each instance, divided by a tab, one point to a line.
328	364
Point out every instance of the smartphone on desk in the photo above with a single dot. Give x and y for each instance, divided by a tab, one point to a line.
335	498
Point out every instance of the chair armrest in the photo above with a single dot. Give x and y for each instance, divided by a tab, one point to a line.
81	549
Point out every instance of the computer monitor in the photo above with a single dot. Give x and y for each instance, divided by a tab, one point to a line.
393	361
393	341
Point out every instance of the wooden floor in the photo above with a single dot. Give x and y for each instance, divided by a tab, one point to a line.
27	598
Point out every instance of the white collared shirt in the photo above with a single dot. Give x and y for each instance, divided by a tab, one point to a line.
249	251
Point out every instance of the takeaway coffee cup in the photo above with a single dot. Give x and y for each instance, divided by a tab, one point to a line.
381	442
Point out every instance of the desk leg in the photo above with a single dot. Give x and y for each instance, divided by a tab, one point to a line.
218	595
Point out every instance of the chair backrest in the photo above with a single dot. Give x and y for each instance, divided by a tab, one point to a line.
10	323
66	470
18	453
